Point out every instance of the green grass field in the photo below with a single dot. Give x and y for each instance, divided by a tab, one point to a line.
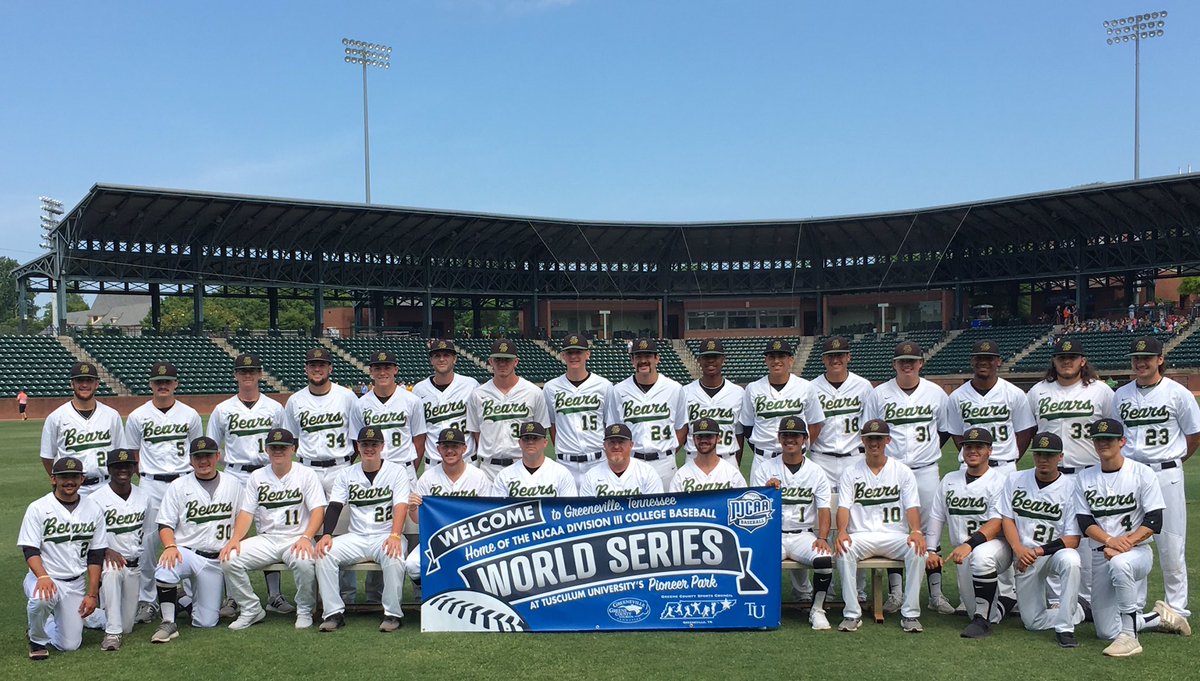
275	650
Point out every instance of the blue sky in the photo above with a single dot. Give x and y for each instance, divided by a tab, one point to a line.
592	109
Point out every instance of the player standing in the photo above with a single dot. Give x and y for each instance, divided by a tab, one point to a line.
989	401
713	397
707	470
398	414
535	475
445	395
778	394
83	428
652	406
575	405
1162	424
497	409
324	417
620	475
124	508
841	394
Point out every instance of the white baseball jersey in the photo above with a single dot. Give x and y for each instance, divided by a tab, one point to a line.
200	521
724	408
638	479
804	492
400	418
63	537
497	416
963	507
1118	500
162	438
123	519
471	483
577	414
371	503
1041	514
445	409
551	479
652	416
843	407
1004	411
1157	420
66	433
324	425
690	478
241	432
914	420
1067	411
878	503
763	407
282	506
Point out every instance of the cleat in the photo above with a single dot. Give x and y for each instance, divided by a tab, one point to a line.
390	624
146	612
978	628
111	642
165	633
940	604
304	621
911	624
229	608
893	602
279	604
1066	639
1171	621
1124	646
38	652
818	619
332	623
246	619
850	624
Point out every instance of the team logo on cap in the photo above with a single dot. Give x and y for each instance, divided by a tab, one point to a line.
973	435
247	361
791	423
712	345
1102	426
85	369
278	436
907	348
504	347
69	465
371	433
121	457
615	430
382	356
448	436
441	345
836	344
318	353
528	427
162	370
1066	345
1044	442
1141	345
643	345
573	340
875	426
776	345
985	346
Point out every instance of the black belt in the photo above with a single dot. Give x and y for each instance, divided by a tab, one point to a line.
410	463
797	531
499	461
164	478
245	468
327	463
997	462
836	455
650	456
1164	466
583	458
922	466
90	481
1069	470
71	579
211	555
764	453
131	563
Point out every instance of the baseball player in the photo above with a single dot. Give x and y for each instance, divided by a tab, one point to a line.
806	507
160	430
536	476
575	405
239	425
652	406
497	409
445	395
124	508
194	520
1039	524
63	539
398	414
713	397
620	475
376	491
83	428
774	396
879	514
1119	505
1162	426
286	504
966	504
707	470
841	394
988	401
915	411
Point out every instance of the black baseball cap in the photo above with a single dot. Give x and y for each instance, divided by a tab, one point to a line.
441	345
648	345
247	361
451	436
908	350
318	355
381	358
280	437
981	436
793	425
1106	428
875	428
705	427
532	428
711	346
985	348
1046	443
617	431
202	446
84	370
503	349
163	371
574	342
1068	346
121	457
68	465
835	345
1146	346
779	345
370	434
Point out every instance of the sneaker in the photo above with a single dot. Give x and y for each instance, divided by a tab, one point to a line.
819	621
940	604
279	604
146	612
165	633
390	624
911	624
893	602
332	623
229	608
1066	639
111	642
1171	621
1124	646
246	619
978	628
304	621
850	624
38	652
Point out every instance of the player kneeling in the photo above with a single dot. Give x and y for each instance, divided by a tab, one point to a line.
879	514
377	492
620	475
806	498
1039	525
707	470
286	502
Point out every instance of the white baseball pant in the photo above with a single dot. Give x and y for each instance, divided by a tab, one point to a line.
892	545
580	468
666	468
834	466
208	586
1116	588
1031	592
1172	541
55	621
349	549
257	553
990	556
799	547
119	597
154	489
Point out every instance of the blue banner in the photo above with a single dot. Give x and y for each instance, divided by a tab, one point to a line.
706	560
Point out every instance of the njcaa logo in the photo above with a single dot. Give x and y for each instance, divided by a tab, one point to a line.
639	413
385	418
76	441
1051	410
311	423
604	490
197	513
1027	507
718	414
629	610
956	505
286	497
874	496
1144	416
437	413
118	523
516	489
748	512
250	425
572	404
369	496
839	406
439	491
897	415
987	413
55	532
494	411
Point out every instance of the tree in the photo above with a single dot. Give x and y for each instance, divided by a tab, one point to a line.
231	314
1189	286
9	320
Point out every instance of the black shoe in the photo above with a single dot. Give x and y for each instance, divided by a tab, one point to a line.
38	652
332	623
978	628
1066	639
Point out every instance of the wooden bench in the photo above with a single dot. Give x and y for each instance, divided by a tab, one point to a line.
878	568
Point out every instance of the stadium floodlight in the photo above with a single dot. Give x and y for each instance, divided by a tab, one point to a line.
367	54
1135	29
51	206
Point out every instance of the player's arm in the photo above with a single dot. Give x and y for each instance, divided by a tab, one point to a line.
1024	437
814	432
843	537
394	544
240	527
916	538
91	598
44	586
170	556
987	532
824	522
304	546
49	444
1023	556
680	437
1193	441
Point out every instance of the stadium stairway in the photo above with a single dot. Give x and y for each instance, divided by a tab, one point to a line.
341	352
685	355
1028	349
105	375
803	350
276	384
937	347
1181	337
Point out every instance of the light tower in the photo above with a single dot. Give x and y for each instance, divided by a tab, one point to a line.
1134	30
367	54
